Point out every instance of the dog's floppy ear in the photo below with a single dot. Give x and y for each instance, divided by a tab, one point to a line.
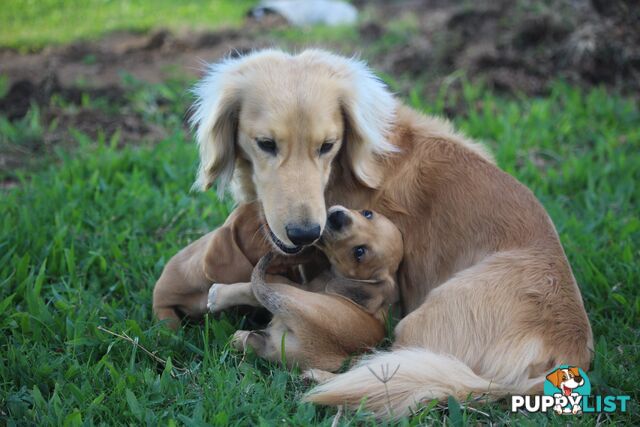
215	119
368	109
555	377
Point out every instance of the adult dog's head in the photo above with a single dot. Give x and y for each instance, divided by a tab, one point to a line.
272	124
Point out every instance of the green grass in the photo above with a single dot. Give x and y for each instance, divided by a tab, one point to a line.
31	24
83	240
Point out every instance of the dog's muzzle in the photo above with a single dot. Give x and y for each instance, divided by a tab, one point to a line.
338	219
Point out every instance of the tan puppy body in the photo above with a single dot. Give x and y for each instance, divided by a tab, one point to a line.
319	330
338	313
226	255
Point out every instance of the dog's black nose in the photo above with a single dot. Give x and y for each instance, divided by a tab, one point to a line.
578	379
338	219
301	235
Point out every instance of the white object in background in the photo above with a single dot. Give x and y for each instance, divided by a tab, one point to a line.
309	12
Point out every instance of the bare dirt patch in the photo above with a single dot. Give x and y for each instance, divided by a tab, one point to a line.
514	45
518	45
58	80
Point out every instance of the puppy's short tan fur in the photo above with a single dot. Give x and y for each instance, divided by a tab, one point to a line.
323	321
340	312
490	298
225	255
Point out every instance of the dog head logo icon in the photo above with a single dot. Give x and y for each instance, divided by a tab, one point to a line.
568	384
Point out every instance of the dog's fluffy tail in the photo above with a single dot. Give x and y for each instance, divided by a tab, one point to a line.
393	384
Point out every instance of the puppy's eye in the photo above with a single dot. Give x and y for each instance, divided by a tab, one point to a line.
367	214
267	145
359	252
326	147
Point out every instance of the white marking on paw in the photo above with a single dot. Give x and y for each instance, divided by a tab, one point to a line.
211	300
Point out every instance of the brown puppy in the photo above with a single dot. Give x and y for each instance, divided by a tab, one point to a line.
341	311
225	255
491	301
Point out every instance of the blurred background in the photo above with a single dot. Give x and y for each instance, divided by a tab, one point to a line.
97	160
70	51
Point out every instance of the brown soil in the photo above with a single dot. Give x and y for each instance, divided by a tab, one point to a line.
515	46
96	70
520	46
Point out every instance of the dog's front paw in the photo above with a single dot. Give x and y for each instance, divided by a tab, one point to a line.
212	299
558	409
239	340
576	410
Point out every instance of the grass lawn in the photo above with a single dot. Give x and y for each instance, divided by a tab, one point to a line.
31	24
83	239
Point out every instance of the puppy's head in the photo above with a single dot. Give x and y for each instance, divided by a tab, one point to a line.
365	250
273	123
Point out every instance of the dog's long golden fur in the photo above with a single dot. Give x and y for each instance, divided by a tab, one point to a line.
489	295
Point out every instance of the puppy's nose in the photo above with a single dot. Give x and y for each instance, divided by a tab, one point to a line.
338	219
301	235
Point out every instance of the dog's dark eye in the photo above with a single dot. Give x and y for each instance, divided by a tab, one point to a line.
359	252
326	147
367	214
267	145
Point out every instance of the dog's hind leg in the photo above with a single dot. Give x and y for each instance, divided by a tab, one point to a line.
517	313
317	375
242	340
174	297
494	328
269	343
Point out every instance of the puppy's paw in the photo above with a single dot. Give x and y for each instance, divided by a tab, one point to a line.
239	340
212	299
316	376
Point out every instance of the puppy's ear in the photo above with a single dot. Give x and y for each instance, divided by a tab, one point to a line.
368	109
215	119
555	377
370	296
362	294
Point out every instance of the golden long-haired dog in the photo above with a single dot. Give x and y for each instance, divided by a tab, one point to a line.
490	298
